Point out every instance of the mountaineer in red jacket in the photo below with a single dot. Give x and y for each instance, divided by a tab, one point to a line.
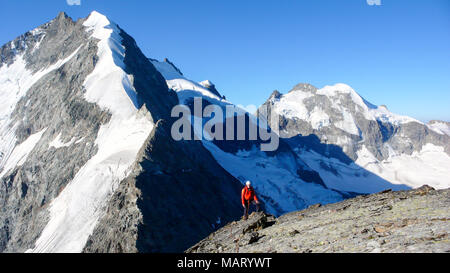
248	195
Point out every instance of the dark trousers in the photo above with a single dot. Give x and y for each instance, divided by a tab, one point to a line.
247	207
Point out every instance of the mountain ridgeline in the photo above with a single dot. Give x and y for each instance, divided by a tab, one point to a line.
88	163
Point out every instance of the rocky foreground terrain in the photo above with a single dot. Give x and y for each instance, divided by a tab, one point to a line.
390	221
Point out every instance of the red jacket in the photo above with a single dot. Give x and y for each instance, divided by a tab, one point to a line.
248	194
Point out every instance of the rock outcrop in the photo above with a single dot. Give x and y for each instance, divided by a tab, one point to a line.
402	221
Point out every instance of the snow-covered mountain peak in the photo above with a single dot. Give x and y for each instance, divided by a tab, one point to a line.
341	89
333	92
99	23
335	89
97	17
120	97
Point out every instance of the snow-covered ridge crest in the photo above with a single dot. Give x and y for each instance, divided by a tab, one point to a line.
184	87
109	69
77	209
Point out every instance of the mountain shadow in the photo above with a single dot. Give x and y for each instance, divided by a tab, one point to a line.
335	162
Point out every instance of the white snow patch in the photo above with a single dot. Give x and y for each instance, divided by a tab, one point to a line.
21	152
343	140
341	88
36	31
318	118
381	113
440	127
347	124
365	157
291	105
57	142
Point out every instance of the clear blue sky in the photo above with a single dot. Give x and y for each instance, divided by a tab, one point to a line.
396	54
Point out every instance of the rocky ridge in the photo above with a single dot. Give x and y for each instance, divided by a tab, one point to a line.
390	221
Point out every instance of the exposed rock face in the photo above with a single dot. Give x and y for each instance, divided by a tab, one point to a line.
403	221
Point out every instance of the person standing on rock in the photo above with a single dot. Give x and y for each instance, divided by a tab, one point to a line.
248	195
